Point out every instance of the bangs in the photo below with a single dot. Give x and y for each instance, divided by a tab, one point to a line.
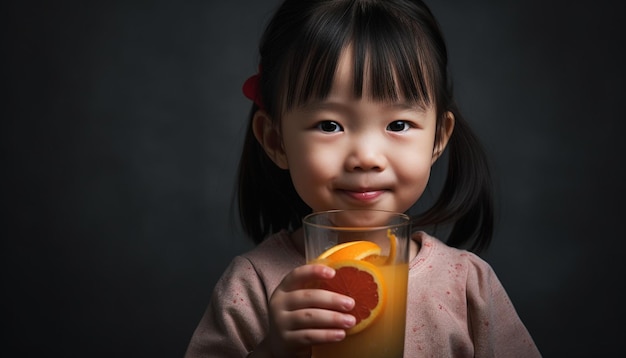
390	52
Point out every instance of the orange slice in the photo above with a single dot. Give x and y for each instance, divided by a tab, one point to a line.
393	247
352	250
363	282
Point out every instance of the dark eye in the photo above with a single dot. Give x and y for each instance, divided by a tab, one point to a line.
329	126
398	126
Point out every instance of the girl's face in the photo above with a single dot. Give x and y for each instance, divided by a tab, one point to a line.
343	152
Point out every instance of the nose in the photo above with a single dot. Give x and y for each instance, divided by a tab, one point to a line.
366	154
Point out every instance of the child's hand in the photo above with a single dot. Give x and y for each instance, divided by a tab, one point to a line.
301	316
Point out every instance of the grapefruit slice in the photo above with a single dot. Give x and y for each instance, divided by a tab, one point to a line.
352	250
363	282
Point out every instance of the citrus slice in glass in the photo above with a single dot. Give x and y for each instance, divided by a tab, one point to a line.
393	247
352	250
363	282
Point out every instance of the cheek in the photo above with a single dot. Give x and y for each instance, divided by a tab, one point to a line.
311	170
414	178
412	174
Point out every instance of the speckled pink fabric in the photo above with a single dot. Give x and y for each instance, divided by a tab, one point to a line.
457	307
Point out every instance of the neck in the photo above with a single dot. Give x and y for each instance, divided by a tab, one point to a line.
297	238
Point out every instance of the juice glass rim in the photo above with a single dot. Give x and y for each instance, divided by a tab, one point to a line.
405	219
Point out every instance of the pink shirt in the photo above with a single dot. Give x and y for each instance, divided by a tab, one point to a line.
457	307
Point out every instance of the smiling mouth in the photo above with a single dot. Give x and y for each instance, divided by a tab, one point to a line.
365	195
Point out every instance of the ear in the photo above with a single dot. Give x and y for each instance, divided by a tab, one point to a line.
447	127
269	137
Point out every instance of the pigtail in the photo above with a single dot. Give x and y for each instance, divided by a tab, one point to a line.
466	199
268	202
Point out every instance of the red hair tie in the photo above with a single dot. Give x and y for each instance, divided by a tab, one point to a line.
251	89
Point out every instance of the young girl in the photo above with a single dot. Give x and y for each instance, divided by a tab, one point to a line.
352	106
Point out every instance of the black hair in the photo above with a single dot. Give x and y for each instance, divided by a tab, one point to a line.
399	45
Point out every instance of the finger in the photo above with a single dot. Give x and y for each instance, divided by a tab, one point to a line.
317	298
308	337
301	276
312	318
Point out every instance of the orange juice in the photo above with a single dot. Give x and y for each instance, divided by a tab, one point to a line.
369	250
384	338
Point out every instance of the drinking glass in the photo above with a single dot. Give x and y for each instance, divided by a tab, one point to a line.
369	250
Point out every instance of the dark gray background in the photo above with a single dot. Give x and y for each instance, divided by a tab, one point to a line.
121	129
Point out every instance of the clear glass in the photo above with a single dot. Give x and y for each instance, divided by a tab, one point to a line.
384	336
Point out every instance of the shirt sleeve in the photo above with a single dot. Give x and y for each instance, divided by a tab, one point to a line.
496	329
235	320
